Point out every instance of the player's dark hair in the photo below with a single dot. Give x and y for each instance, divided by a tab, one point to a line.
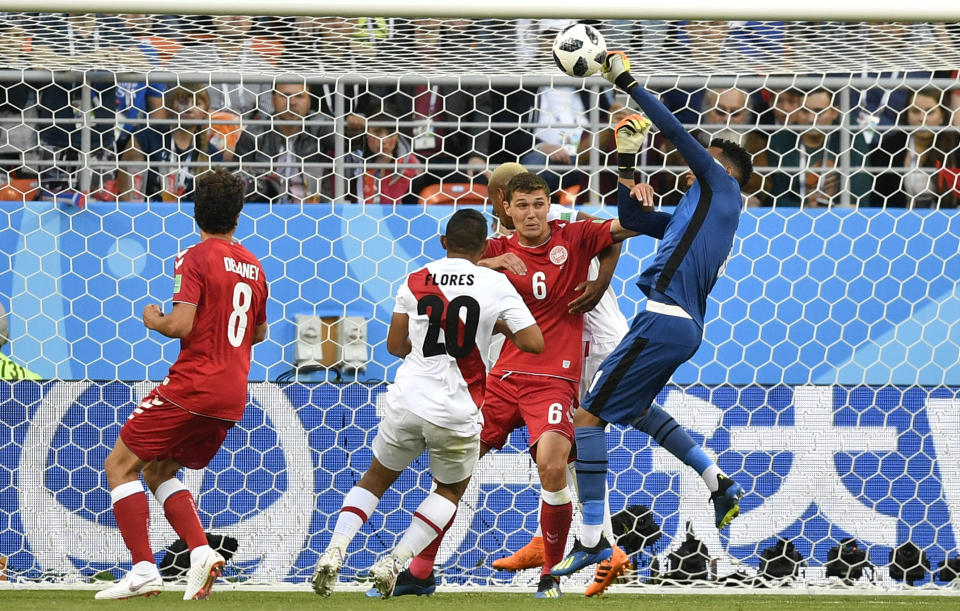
466	231
525	183
218	200
738	157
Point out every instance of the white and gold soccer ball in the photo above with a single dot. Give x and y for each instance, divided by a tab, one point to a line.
579	50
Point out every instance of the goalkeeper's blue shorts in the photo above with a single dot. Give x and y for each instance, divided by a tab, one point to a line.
630	378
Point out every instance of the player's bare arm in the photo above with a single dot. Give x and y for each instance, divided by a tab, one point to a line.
528	339
177	324
398	335
591	291
507	262
260	333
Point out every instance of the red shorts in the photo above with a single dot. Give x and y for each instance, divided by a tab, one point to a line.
543	403
160	430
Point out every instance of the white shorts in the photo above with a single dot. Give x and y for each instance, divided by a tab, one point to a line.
594	354
402	436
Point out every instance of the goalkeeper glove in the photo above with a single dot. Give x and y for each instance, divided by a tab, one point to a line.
616	69
630	133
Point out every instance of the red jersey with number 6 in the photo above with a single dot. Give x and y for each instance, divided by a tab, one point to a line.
554	269
226	283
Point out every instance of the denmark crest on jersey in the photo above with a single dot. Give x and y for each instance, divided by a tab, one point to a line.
558	255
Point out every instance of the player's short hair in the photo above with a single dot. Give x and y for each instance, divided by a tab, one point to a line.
526	182
218	200
466	231
738	157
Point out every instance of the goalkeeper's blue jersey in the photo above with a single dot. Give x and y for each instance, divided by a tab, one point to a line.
699	236
696	243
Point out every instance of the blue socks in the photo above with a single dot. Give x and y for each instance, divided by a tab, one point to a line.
591	479
674	438
697	459
667	432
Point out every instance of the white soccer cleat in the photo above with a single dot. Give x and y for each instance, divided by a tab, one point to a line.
384	574
132	585
328	570
201	577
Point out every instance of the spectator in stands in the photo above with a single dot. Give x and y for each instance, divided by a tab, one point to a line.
137	101
806	161
18	133
560	113
697	46
61	39
884	105
293	150
176	157
786	102
383	144
231	48
432	44
606	144
726	114
334	44
920	160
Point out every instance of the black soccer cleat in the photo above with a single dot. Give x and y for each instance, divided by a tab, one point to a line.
408	585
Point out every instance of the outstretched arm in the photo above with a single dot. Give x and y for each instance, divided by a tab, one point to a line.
616	69
634	209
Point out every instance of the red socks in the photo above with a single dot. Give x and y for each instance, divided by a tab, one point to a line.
555	524
422	565
181	512
133	518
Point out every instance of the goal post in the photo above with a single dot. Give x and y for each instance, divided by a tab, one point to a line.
827	384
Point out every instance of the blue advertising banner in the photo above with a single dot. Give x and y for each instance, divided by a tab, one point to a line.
819	463
810	297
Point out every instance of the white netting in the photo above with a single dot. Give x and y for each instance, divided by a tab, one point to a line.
827	384
324	46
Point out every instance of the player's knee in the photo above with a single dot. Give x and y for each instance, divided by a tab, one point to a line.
582	418
553	474
452	492
119	468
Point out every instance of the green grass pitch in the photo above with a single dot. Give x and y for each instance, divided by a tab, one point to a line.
470	601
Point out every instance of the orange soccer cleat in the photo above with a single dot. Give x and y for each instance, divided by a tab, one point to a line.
608	571
530	556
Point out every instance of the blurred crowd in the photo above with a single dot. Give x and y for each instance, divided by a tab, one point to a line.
297	140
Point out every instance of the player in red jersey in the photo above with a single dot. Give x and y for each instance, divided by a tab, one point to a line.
219	312
545	262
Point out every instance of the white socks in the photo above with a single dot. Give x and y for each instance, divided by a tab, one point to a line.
431	517
710	477
357	507
145	569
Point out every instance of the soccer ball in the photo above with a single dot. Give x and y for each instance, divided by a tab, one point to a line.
579	50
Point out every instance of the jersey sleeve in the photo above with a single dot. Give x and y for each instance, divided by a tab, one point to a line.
187	279
262	313
513	311
406	303
593	235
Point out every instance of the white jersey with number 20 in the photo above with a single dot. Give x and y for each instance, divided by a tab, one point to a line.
452	306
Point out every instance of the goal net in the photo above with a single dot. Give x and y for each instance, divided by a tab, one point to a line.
827	383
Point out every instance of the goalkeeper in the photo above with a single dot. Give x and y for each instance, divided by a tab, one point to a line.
695	242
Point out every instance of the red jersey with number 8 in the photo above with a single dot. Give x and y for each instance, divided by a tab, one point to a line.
226	283
554	269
